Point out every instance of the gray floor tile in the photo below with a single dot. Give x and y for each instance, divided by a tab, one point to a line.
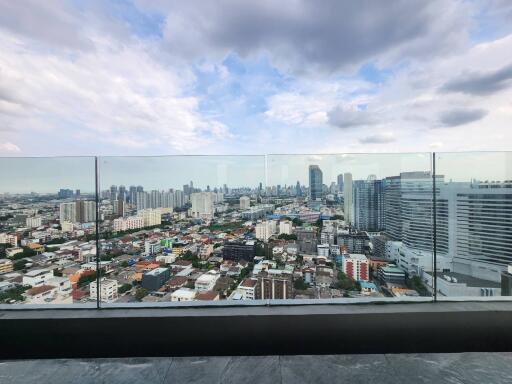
253	370
336	369
50	371
197	370
135	370
466	368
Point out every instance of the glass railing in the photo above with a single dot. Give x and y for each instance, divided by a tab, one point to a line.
250	230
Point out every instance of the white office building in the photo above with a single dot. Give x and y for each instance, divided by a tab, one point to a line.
33	222
68	212
203	204
37	277
245	202
151	217
286	227
206	282
108	290
265	229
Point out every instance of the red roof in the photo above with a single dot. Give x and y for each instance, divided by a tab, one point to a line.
249	283
207	295
38	290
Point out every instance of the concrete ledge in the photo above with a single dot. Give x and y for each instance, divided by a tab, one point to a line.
263	330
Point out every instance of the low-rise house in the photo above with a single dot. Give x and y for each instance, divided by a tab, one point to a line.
247	289
183	294
206	282
37	277
207	296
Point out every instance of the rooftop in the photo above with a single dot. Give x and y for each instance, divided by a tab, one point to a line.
156	271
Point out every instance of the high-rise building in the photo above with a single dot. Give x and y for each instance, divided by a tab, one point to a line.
34	222
245	202
119	207
68	212
315	182
368	200
416	212
151	216
167	199
265	229
142	201
65	193
179	198
124	224
340	182
298	190
355	266
113	192
479	222
85	211
122	193
155	200
132	194
285	227
392	212
348	206
203	204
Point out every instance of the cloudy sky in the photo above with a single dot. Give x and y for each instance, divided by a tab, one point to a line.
253	77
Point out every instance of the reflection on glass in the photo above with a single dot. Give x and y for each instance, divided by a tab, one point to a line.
203	228
359	224
47	229
474	253
178	228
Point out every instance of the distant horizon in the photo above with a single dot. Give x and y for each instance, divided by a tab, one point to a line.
48	175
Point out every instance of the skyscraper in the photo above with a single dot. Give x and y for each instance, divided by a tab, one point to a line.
67	212
122	193
315	182
132	195
113	192
348	208
392	216
368	205
340	182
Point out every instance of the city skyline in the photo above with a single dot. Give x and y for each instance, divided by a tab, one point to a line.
46	175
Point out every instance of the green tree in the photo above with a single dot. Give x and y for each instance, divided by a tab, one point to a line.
346	283
27	252
12	294
141	293
124	288
124	264
19	265
298	222
87	279
300	285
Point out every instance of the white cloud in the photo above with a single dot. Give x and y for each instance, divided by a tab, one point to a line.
9	147
116	94
378	138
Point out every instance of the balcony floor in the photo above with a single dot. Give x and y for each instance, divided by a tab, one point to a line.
390	368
